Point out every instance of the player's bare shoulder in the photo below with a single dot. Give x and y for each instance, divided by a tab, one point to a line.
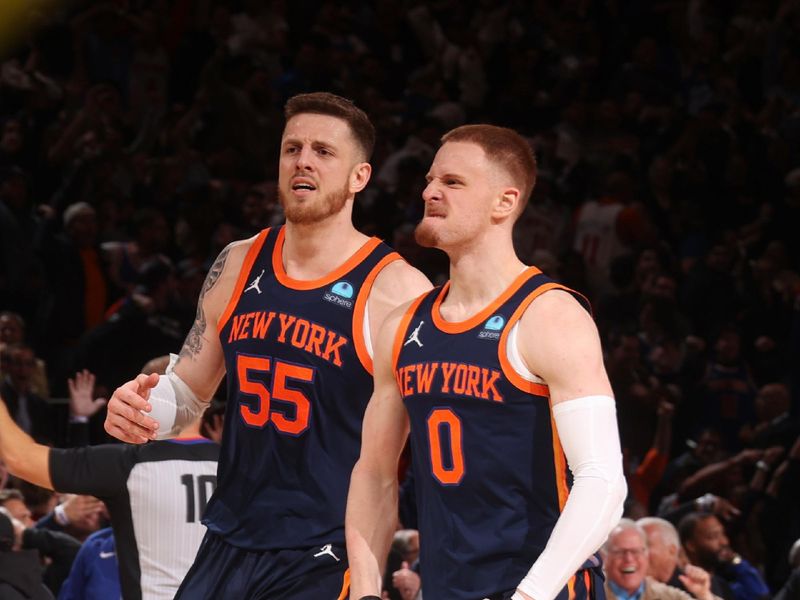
554	310
396	284
387	337
215	294
223	274
559	341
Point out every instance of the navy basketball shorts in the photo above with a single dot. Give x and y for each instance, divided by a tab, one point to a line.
224	571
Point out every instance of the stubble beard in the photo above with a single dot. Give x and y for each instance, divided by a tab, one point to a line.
425	235
307	213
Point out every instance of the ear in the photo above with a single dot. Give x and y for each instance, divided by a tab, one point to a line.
507	203
359	177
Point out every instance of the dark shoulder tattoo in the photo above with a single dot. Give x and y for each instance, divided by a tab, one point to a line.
194	341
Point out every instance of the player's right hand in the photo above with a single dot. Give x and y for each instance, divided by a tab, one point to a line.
126	419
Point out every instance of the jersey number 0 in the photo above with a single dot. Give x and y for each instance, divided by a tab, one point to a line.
439	421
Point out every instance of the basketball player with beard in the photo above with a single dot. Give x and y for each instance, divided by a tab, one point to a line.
289	315
498	376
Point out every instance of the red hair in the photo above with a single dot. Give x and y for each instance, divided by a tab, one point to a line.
504	147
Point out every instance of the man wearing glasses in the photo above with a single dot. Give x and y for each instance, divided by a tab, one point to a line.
627	560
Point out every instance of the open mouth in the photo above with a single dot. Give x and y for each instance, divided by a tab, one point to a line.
629	570
303	185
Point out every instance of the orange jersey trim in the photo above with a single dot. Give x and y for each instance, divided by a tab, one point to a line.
345	586
361	308
587	580
508	370
337	273
571	588
401	330
247	265
483	314
560	464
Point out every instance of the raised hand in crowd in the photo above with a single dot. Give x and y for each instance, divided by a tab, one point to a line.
697	581
82	404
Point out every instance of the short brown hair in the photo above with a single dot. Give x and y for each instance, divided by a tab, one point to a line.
324	103
503	146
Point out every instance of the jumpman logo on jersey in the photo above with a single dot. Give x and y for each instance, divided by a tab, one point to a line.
254	284
326	549
414	337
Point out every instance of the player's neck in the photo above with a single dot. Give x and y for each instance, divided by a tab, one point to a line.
311	251
478	276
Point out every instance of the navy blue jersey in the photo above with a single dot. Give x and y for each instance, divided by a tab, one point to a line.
299	379
491	478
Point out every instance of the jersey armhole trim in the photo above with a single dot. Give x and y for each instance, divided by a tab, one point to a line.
244	273
530	387
521	383
402	329
360	321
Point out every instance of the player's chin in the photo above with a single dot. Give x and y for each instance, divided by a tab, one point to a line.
426	234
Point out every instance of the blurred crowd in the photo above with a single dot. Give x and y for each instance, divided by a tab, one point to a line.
139	137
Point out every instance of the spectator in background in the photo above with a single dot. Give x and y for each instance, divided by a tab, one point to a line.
609	226
59	549
706	544
150	239
626	563
95	571
774	425
14	502
12	332
403	556
80	288
31	412
664	551
20	570
727	392
142	325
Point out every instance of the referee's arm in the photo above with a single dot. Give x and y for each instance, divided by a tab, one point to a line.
24	457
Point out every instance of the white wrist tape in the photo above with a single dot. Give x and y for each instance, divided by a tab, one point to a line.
587	428
174	403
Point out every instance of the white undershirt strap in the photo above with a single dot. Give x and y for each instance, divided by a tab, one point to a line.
514	357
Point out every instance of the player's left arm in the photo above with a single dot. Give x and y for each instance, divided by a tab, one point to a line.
24	457
559	342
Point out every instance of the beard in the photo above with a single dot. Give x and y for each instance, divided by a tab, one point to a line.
425	235
306	213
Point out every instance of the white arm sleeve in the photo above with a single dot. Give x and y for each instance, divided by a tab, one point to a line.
587	428
174	403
